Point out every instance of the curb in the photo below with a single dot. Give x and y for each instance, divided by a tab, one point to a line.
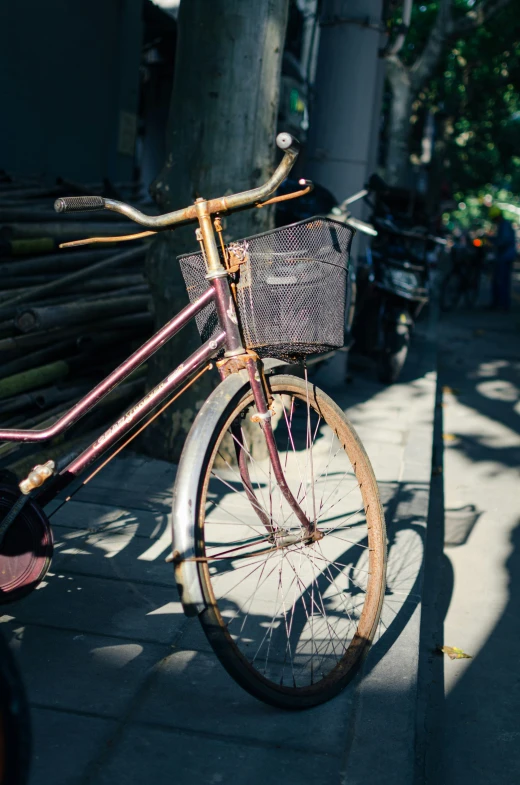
381	740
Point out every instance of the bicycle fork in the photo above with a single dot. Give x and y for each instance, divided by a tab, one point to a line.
228	318
263	418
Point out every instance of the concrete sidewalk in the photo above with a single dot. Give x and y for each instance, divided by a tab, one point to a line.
125	690
472	726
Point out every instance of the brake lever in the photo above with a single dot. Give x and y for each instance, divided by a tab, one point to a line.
309	186
118	239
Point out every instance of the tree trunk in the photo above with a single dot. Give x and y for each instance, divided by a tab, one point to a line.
397	161
220	139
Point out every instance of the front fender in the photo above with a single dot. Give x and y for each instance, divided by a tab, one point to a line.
188	482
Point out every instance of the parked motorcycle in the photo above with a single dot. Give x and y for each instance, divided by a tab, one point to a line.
393	284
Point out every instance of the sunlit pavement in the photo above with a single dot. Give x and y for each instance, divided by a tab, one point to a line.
474	733
124	689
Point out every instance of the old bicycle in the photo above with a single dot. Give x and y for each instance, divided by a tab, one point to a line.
275	499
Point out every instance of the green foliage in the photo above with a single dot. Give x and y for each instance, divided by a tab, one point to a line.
475	94
472	210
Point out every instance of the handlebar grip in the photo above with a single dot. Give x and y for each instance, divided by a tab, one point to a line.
362	226
287	143
79	204
376	183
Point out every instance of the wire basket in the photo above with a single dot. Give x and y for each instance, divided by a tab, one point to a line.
290	290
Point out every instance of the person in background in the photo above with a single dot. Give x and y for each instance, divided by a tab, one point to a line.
504	243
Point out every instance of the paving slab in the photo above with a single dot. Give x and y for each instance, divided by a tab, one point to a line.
133	482
196	684
99	553
161	756
64	745
121	609
56	663
113	518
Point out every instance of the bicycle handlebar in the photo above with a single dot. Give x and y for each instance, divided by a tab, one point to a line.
284	141
364	227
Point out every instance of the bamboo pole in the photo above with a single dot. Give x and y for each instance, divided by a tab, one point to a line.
42	398
63	230
36	377
37	358
11	215
45	317
21	343
122	258
64	261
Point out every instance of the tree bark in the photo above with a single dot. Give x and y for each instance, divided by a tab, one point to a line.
220	139
399	125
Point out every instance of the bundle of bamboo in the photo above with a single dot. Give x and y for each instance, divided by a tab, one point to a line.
67	316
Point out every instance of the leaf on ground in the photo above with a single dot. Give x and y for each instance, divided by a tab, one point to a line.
449	437
454	653
450	390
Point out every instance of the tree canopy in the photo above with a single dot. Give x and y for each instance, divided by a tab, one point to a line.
474	92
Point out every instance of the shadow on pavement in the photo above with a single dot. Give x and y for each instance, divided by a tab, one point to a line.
473	732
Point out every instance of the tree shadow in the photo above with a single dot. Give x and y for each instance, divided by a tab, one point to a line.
485	702
472	732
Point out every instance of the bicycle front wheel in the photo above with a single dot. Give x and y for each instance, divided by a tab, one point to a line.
290	620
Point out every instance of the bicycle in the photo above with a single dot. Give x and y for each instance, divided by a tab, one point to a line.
463	279
266	532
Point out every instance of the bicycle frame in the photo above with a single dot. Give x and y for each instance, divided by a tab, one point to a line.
120	428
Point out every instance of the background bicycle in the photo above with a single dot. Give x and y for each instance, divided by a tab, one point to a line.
462	282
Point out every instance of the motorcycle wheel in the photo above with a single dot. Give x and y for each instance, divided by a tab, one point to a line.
396	341
450	291
473	291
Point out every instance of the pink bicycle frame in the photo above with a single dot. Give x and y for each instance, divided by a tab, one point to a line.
175	379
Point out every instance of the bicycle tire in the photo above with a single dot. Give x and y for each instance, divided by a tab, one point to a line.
313	675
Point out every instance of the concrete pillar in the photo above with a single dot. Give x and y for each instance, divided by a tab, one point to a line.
347	92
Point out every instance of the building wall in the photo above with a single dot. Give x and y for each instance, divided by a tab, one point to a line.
69	83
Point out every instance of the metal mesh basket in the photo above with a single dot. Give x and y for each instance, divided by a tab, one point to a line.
291	288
